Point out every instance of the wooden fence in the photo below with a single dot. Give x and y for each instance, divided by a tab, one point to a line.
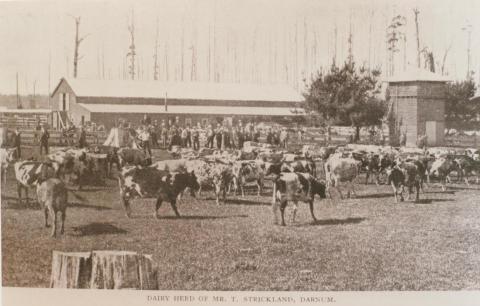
30	138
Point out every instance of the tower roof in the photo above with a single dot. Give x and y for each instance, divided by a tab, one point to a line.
414	74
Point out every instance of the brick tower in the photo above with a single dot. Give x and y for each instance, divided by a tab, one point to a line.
417	101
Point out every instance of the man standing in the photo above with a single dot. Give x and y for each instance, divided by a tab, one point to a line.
164	133
44	136
184	135
218	136
284	138
82	138
270	136
17	142
196	138
154	132
144	137
210	136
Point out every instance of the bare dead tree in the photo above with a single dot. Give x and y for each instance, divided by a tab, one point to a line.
19	104
182	51
416	12
445	58
394	34
350	41
33	103
131	53
155	56
78	41
468	29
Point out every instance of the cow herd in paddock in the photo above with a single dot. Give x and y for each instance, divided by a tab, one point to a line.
296	177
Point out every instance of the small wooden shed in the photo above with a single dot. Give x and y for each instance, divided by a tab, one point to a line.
417	101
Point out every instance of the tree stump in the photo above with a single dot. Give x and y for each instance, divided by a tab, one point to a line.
71	270
103	270
122	270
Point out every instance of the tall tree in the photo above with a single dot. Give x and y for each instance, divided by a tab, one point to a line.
131	53
155	56
78	41
347	95
416	12
458	106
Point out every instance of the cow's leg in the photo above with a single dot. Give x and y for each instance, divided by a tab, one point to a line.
410	191
19	191
174	207
377	178
402	189
417	187
395	192
466	180
274	193
311	210
53	214
274	211
295	207
224	194
64	215
26	195
46	216
126	205
339	191
366	177
157	206
283	204
352	185
259	186
242	189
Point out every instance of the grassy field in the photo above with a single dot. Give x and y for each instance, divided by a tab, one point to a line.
367	243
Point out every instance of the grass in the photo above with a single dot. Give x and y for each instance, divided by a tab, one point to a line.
368	243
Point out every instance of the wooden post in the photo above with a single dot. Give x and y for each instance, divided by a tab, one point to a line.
71	270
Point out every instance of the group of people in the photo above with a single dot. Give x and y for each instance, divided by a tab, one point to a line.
279	137
152	134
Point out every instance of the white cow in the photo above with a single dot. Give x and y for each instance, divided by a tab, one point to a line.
338	170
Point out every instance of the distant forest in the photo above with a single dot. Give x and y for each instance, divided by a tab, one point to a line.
10	101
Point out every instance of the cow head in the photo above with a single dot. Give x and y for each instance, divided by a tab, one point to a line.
189	180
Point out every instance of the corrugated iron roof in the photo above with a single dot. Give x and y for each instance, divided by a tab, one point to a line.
183	90
187	109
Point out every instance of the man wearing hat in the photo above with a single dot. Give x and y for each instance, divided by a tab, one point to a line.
283	137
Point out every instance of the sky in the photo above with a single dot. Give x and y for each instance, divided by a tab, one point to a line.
249	41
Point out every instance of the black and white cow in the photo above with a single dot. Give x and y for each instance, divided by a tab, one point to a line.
30	173
409	175
295	187
148	182
218	176
248	171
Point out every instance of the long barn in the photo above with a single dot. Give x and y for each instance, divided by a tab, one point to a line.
106	101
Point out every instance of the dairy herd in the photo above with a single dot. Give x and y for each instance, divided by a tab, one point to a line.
296	176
